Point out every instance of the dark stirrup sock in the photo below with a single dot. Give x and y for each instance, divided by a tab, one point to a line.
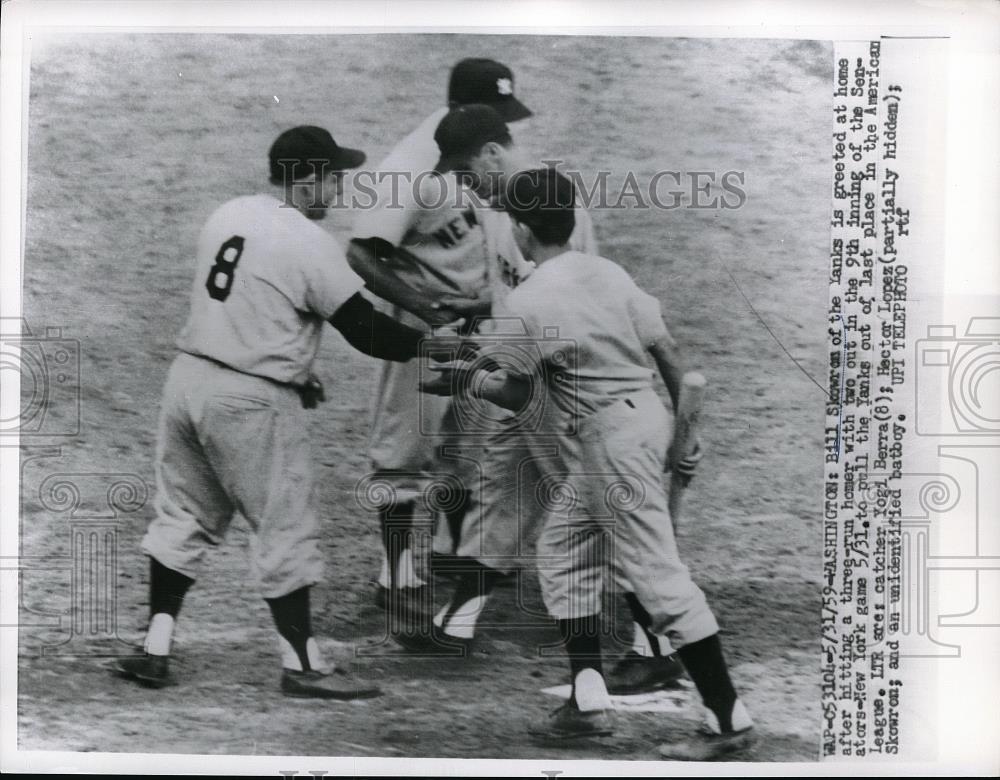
643	619
396	521
454	517
707	667
582	639
476	583
167	589
292	619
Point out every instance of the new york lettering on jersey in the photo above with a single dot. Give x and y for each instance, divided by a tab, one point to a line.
437	228
266	280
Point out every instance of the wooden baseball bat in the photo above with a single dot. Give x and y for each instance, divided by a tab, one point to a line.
689	403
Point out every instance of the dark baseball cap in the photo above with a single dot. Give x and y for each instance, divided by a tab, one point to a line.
544	200
463	131
478	80
297	149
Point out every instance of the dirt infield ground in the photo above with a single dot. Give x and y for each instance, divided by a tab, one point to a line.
134	139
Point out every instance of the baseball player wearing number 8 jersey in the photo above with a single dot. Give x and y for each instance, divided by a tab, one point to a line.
233	434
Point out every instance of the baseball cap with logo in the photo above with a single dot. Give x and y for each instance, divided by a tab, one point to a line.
478	80
296	151
463	131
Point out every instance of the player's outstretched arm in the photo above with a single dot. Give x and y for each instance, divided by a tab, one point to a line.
374	333
498	387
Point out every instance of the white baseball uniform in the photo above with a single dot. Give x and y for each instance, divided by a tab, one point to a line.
439	231
498	521
603	486
233	435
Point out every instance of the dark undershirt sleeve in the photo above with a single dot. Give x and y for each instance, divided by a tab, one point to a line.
375	333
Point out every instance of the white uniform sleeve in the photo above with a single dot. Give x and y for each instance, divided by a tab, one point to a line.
407	166
647	317
391	216
328	278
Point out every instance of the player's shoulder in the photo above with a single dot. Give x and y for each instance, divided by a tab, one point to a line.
574	266
493	219
616	276
417	151
247	211
436	192
274	227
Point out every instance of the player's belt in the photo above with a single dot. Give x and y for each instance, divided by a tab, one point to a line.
311	392
228	367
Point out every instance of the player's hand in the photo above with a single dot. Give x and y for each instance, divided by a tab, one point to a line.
687	466
435	315
450	343
450	377
311	392
475	306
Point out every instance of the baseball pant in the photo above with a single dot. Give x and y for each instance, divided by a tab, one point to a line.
502	512
230	442
607	504
406	424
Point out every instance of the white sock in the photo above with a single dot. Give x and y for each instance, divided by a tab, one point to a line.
383	575
442	536
462	624
406	573
290	659
665	647
591	693
640	642
641	646
159	634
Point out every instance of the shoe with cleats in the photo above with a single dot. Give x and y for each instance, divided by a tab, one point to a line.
315	684
569	723
636	674
404	601
152	671
433	640
712	742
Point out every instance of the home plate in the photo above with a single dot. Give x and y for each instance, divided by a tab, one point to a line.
668	700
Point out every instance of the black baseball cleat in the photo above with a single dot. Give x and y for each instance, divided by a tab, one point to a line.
152	671
315	684
711	742
433	641
710	747
644	674
569	722
448	565
403	601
